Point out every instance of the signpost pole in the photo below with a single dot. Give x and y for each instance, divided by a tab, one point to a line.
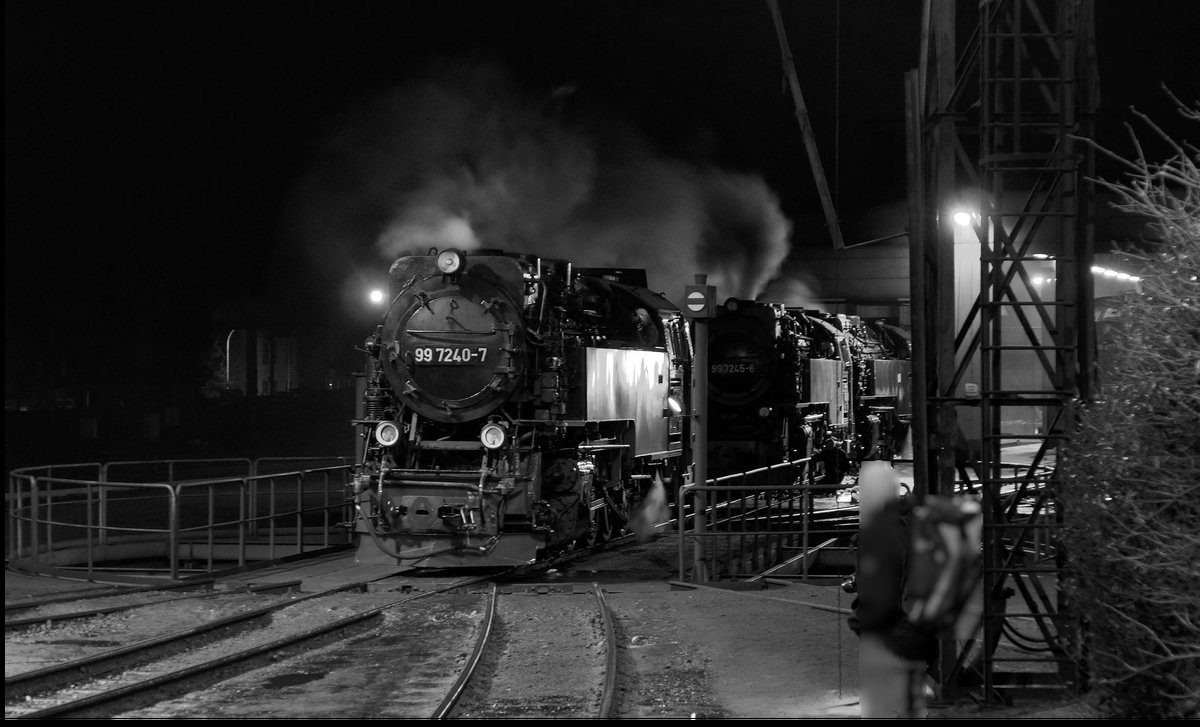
700	306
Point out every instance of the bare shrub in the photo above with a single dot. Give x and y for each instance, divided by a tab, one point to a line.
1131	494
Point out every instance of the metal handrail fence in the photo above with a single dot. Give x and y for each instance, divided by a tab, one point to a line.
768	517
764	520
163	514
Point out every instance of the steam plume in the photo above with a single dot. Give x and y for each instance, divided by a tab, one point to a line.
795	289
652	514
466	159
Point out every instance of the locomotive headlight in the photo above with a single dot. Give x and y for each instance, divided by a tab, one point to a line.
387	433
674	405
449	261
764	411
492	435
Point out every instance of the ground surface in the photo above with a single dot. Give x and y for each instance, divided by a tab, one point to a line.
684	653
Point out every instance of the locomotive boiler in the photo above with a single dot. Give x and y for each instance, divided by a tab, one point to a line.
513	407
787	383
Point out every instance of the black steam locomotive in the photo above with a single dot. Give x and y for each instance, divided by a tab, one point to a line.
514	406
787	383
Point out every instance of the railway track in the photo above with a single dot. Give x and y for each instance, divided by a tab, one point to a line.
499	679
127	602
95	594
408	654
148	671
124	678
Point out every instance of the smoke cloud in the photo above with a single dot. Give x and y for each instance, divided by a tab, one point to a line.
793	289
465	158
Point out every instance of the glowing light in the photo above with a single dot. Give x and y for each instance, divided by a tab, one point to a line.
492	435
449	261
376	296
1115	274
674	405
387	433
962	218
1037	281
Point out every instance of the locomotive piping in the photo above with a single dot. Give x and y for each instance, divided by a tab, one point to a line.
427	552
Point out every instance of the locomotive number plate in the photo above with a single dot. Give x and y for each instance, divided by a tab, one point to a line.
733	368
449	355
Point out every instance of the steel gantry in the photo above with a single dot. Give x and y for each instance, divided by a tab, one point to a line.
1002	308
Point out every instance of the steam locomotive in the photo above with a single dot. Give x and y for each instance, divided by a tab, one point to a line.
514	406
787	383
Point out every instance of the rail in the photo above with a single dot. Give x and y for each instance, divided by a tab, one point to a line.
142	521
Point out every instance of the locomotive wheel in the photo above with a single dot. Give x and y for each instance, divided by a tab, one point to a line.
606	523
614	518
601	530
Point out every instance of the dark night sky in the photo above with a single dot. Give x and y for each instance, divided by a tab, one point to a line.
178	168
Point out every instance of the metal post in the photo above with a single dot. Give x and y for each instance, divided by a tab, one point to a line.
919	295
699	305
34	531
102	514
173	532
806	511
700	440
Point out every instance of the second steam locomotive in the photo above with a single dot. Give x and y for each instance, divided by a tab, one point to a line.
514	406
787	384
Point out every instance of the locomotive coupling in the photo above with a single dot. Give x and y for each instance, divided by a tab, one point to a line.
462	517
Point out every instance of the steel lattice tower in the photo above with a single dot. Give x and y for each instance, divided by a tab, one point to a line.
1002	308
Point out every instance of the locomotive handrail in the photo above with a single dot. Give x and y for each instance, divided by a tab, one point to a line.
56	523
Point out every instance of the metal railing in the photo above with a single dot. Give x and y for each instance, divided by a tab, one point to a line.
776	518
763	522
166	518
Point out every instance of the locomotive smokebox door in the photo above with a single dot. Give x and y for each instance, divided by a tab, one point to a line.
459	348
